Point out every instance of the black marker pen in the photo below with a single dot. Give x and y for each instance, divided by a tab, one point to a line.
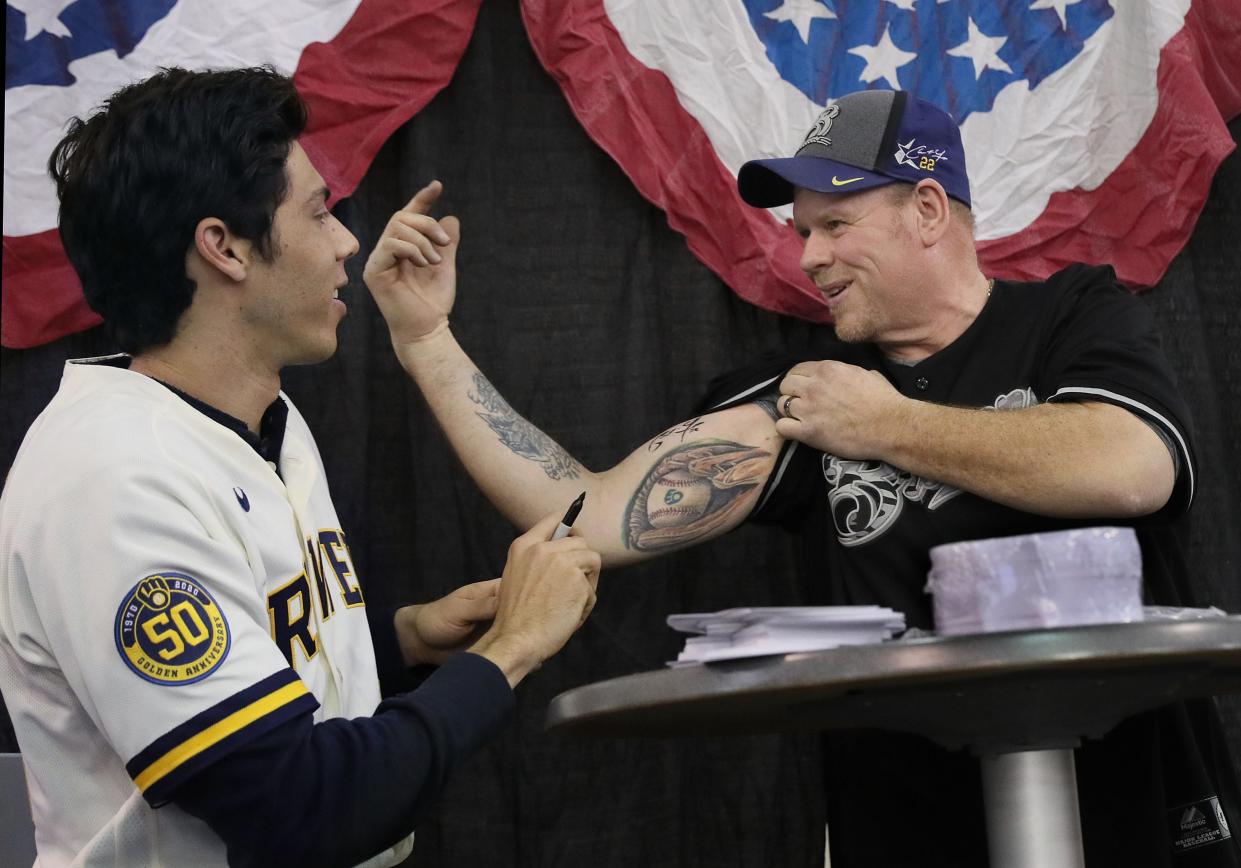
566	523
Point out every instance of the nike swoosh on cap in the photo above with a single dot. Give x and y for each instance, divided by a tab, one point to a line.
838	183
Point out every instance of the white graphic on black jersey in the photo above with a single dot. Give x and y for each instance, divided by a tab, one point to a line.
1017	399
867	497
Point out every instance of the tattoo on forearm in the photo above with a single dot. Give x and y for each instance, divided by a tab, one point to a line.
684	429
518	435
693	491
768	406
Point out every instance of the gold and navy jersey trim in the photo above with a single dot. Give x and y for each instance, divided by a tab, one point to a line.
174	757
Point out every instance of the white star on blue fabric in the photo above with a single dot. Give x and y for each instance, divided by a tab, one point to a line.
800	13
42	16
883	59
1058	5
907	5
982	49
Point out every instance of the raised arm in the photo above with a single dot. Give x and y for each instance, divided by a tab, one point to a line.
694	481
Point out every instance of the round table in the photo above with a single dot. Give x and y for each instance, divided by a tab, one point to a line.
1020	700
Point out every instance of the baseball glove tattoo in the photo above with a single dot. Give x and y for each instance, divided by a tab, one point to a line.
691	492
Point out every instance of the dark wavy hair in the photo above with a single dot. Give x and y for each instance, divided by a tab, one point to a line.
136	177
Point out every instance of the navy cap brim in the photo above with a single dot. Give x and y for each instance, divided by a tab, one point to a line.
768	183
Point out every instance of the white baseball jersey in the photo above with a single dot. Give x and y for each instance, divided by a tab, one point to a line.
165	596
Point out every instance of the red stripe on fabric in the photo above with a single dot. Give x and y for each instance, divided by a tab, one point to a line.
1137	220
41	299
632	112
387	62
1141	217
383	67
1217	28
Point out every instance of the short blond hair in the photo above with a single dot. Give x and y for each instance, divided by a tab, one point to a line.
900	191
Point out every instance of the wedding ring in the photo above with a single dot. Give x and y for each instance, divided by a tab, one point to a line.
785	411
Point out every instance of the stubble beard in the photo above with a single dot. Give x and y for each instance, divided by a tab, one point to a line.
857	327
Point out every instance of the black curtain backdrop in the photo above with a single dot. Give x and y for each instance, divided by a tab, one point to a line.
597	323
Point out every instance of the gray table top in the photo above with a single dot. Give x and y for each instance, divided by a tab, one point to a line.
993	692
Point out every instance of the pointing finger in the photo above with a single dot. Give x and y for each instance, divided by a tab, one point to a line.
425	198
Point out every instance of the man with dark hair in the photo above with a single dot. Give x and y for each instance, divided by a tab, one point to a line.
185	648
953	407
224	142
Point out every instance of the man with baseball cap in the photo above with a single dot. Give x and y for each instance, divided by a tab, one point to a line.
952	407
865	140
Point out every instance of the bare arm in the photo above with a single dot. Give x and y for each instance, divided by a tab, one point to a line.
692	482
1090	460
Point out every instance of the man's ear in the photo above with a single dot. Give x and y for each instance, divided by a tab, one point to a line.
220	249
932	205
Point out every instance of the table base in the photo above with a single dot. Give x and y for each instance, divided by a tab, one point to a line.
1032	814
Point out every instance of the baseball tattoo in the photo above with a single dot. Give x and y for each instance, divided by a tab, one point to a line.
518	435
691	492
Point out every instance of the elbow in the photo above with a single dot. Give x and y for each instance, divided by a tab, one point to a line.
1140	494
1136	504
1134	469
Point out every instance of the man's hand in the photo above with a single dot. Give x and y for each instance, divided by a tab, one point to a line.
412	272
429	633
547	590
838	408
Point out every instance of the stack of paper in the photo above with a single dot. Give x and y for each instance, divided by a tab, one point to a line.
755	632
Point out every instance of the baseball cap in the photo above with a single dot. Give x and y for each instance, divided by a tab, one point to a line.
863	140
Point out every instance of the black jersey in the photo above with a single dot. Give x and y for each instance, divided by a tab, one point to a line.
867	529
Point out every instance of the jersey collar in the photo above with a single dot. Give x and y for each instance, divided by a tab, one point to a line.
270	439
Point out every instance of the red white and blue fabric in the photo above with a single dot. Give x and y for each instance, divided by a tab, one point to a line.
1092	128
364	66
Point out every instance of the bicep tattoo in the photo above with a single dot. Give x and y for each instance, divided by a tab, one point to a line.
519	436
693	491
684	429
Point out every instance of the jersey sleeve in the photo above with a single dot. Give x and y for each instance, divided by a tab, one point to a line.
1105	347
152	613
280	799
792	480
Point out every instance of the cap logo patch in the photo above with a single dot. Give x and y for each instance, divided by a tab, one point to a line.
818	133
169	630
919	156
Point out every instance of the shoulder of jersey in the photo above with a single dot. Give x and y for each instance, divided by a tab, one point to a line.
97	438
